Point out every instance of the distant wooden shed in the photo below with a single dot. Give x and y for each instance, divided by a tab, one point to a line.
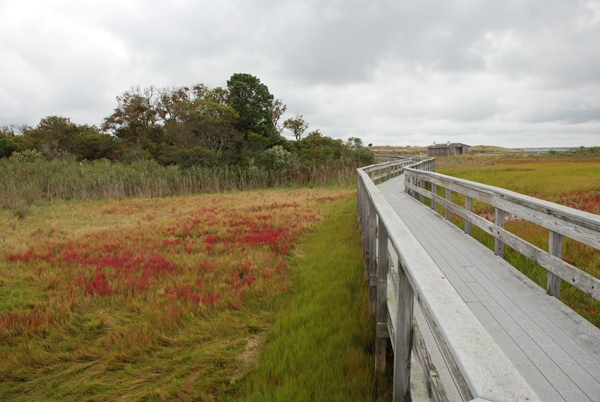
447	149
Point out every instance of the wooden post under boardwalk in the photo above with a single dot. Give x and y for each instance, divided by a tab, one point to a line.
403	341
381	332
373	263
367	243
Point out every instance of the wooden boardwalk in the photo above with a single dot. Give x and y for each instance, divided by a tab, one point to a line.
554	349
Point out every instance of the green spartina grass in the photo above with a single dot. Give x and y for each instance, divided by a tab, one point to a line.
321	346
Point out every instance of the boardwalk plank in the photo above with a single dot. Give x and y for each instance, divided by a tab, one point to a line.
536	379
561	353
556	350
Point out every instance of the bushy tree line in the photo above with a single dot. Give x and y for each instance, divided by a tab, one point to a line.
189	126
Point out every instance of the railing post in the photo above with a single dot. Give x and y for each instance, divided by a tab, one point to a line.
449	198
555	248
415	183
403	334
381	332
434	191
423	185
468	207
498	244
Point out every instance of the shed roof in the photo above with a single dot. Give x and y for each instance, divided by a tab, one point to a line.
455	144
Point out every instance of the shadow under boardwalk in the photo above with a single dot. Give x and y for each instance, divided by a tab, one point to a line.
554	349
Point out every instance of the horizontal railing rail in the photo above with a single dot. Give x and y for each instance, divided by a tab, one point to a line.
403	279
561	222
381	172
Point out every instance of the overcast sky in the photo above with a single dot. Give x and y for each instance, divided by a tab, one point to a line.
515	73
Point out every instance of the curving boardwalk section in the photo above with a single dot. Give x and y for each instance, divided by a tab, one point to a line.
465	325
555	350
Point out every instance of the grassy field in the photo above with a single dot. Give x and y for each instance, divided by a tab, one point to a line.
169	298
571	182
478	149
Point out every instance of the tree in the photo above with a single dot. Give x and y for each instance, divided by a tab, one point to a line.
254	103
136	120
96	145
316	148
277	110
354	142
56	136
203	133
296	125
7	147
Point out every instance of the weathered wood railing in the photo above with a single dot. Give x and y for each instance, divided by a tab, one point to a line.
561	221
400	272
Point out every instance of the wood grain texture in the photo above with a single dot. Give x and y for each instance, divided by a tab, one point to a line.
556	349
463	341
382	312
555	248
449	198
469	208
498	243
403	339
582	280
578	225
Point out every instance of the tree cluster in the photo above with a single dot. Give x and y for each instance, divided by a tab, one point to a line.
187	126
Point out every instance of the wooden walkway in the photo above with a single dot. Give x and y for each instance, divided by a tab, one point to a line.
555	350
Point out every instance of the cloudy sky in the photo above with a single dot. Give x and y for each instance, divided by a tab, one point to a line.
515	73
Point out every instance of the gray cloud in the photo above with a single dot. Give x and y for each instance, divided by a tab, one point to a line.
391	72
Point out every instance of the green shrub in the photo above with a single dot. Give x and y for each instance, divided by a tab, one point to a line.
275	158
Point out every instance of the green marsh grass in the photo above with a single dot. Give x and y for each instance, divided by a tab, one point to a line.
321	345
574	183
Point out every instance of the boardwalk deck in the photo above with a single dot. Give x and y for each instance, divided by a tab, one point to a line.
554	349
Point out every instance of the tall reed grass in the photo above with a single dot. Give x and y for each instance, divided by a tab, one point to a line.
27	181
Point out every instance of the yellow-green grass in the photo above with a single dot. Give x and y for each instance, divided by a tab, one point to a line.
161	298
491	148
574	184
317	349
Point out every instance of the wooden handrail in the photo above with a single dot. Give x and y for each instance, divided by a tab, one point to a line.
402	276
561	221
